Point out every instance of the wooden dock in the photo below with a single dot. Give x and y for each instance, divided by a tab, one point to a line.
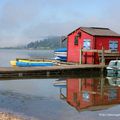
51	72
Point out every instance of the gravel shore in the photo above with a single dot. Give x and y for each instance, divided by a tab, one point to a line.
9	116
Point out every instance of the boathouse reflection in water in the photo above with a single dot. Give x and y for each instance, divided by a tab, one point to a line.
90	93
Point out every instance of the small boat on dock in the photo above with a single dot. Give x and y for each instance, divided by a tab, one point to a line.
113	67
61	54
31	63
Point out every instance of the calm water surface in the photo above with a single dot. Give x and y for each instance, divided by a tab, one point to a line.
59	99
11	54
54	99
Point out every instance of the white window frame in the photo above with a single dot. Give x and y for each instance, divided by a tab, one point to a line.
113	45
87	44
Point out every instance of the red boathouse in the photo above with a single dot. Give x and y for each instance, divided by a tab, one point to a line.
86	45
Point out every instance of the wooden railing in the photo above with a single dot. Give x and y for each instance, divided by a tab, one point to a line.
101	53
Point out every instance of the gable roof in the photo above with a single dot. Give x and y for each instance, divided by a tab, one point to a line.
97	31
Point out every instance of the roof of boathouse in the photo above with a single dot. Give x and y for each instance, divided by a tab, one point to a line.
98	31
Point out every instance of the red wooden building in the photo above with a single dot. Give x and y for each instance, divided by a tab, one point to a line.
91	40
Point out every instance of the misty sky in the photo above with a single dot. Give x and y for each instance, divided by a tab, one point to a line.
22	21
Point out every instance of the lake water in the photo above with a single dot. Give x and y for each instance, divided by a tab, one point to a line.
11	54
60	98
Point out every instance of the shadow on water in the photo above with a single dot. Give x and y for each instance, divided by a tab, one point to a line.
65	98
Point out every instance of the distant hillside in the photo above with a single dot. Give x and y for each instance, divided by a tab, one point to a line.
48	43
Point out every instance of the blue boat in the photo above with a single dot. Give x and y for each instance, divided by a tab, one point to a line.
61	54
61	50
33	64
30	63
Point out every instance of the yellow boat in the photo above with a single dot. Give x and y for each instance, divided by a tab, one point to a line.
13	62
30	63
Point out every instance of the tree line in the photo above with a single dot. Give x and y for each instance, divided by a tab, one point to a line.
47	43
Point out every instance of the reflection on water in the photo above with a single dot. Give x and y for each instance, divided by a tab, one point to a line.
92	93
55	99
61	99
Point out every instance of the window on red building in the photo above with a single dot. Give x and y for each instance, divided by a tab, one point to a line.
113	45
86	44
76	40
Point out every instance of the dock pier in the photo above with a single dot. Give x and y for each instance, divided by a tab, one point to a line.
52	72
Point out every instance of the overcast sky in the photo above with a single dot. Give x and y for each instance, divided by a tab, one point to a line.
22	21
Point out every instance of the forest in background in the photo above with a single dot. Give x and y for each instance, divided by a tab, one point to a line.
47	43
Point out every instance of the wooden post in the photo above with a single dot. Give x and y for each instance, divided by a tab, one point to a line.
103	58
102	87
80	56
